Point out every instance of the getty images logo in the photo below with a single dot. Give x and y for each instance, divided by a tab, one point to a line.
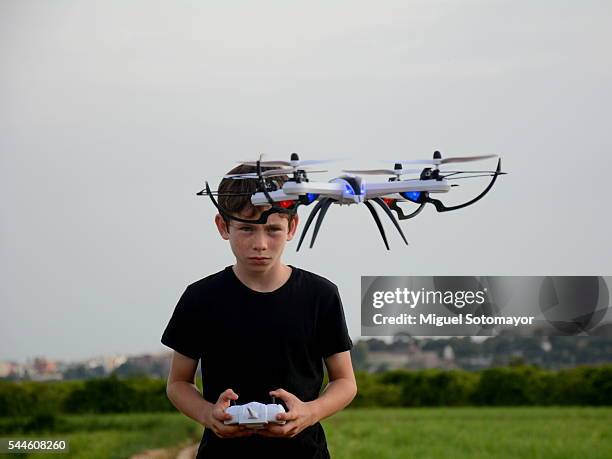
412	298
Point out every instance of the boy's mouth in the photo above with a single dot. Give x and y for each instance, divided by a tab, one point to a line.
260	259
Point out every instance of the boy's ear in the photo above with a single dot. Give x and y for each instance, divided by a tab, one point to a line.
222	226
293	224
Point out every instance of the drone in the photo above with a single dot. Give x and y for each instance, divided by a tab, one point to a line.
403	185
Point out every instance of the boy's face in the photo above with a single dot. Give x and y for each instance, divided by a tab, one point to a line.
258	247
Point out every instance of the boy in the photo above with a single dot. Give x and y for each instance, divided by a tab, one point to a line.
261	329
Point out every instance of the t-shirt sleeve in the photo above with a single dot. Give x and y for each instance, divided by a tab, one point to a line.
181	332
333	336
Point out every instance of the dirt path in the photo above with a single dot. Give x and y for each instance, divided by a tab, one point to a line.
188	453
179	452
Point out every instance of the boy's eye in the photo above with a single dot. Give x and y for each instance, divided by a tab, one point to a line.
246	228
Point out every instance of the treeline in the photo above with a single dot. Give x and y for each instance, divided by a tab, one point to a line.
552	352
503	386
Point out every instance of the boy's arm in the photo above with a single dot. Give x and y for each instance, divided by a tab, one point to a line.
186	397
341	389
181	388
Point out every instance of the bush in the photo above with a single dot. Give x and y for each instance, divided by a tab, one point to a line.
114	395
27	398
372	392
585	386
433	387
507	386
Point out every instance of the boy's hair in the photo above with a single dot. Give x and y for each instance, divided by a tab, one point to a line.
243	190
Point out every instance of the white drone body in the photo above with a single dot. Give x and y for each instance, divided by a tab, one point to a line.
344	193
254	415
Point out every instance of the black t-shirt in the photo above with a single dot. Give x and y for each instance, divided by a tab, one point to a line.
255	342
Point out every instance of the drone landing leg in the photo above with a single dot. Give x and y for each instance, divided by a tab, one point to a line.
384	206
378	222
311	217
325	203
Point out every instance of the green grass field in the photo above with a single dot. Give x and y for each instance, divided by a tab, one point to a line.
113	436
423	433
428	433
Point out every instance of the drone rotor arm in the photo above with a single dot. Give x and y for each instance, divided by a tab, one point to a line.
378	190
333	190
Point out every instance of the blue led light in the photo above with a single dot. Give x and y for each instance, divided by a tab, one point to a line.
311	197
411	195
349	189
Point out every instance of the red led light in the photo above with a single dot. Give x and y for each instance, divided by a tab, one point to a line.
389	201
286	204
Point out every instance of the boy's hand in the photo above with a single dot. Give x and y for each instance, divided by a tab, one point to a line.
299	416
216	415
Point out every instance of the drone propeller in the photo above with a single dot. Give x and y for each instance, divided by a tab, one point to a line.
439	160
295	163
452	173
466	159
484	174
272	173
397	172
220	193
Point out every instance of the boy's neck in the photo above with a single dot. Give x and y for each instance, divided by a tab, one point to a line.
263	281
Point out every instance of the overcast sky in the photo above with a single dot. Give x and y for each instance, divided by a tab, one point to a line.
113	113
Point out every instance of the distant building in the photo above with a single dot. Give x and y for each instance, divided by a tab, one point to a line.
409	355
8	369
383	360
42	365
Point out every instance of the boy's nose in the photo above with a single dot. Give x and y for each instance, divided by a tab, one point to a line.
259	242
